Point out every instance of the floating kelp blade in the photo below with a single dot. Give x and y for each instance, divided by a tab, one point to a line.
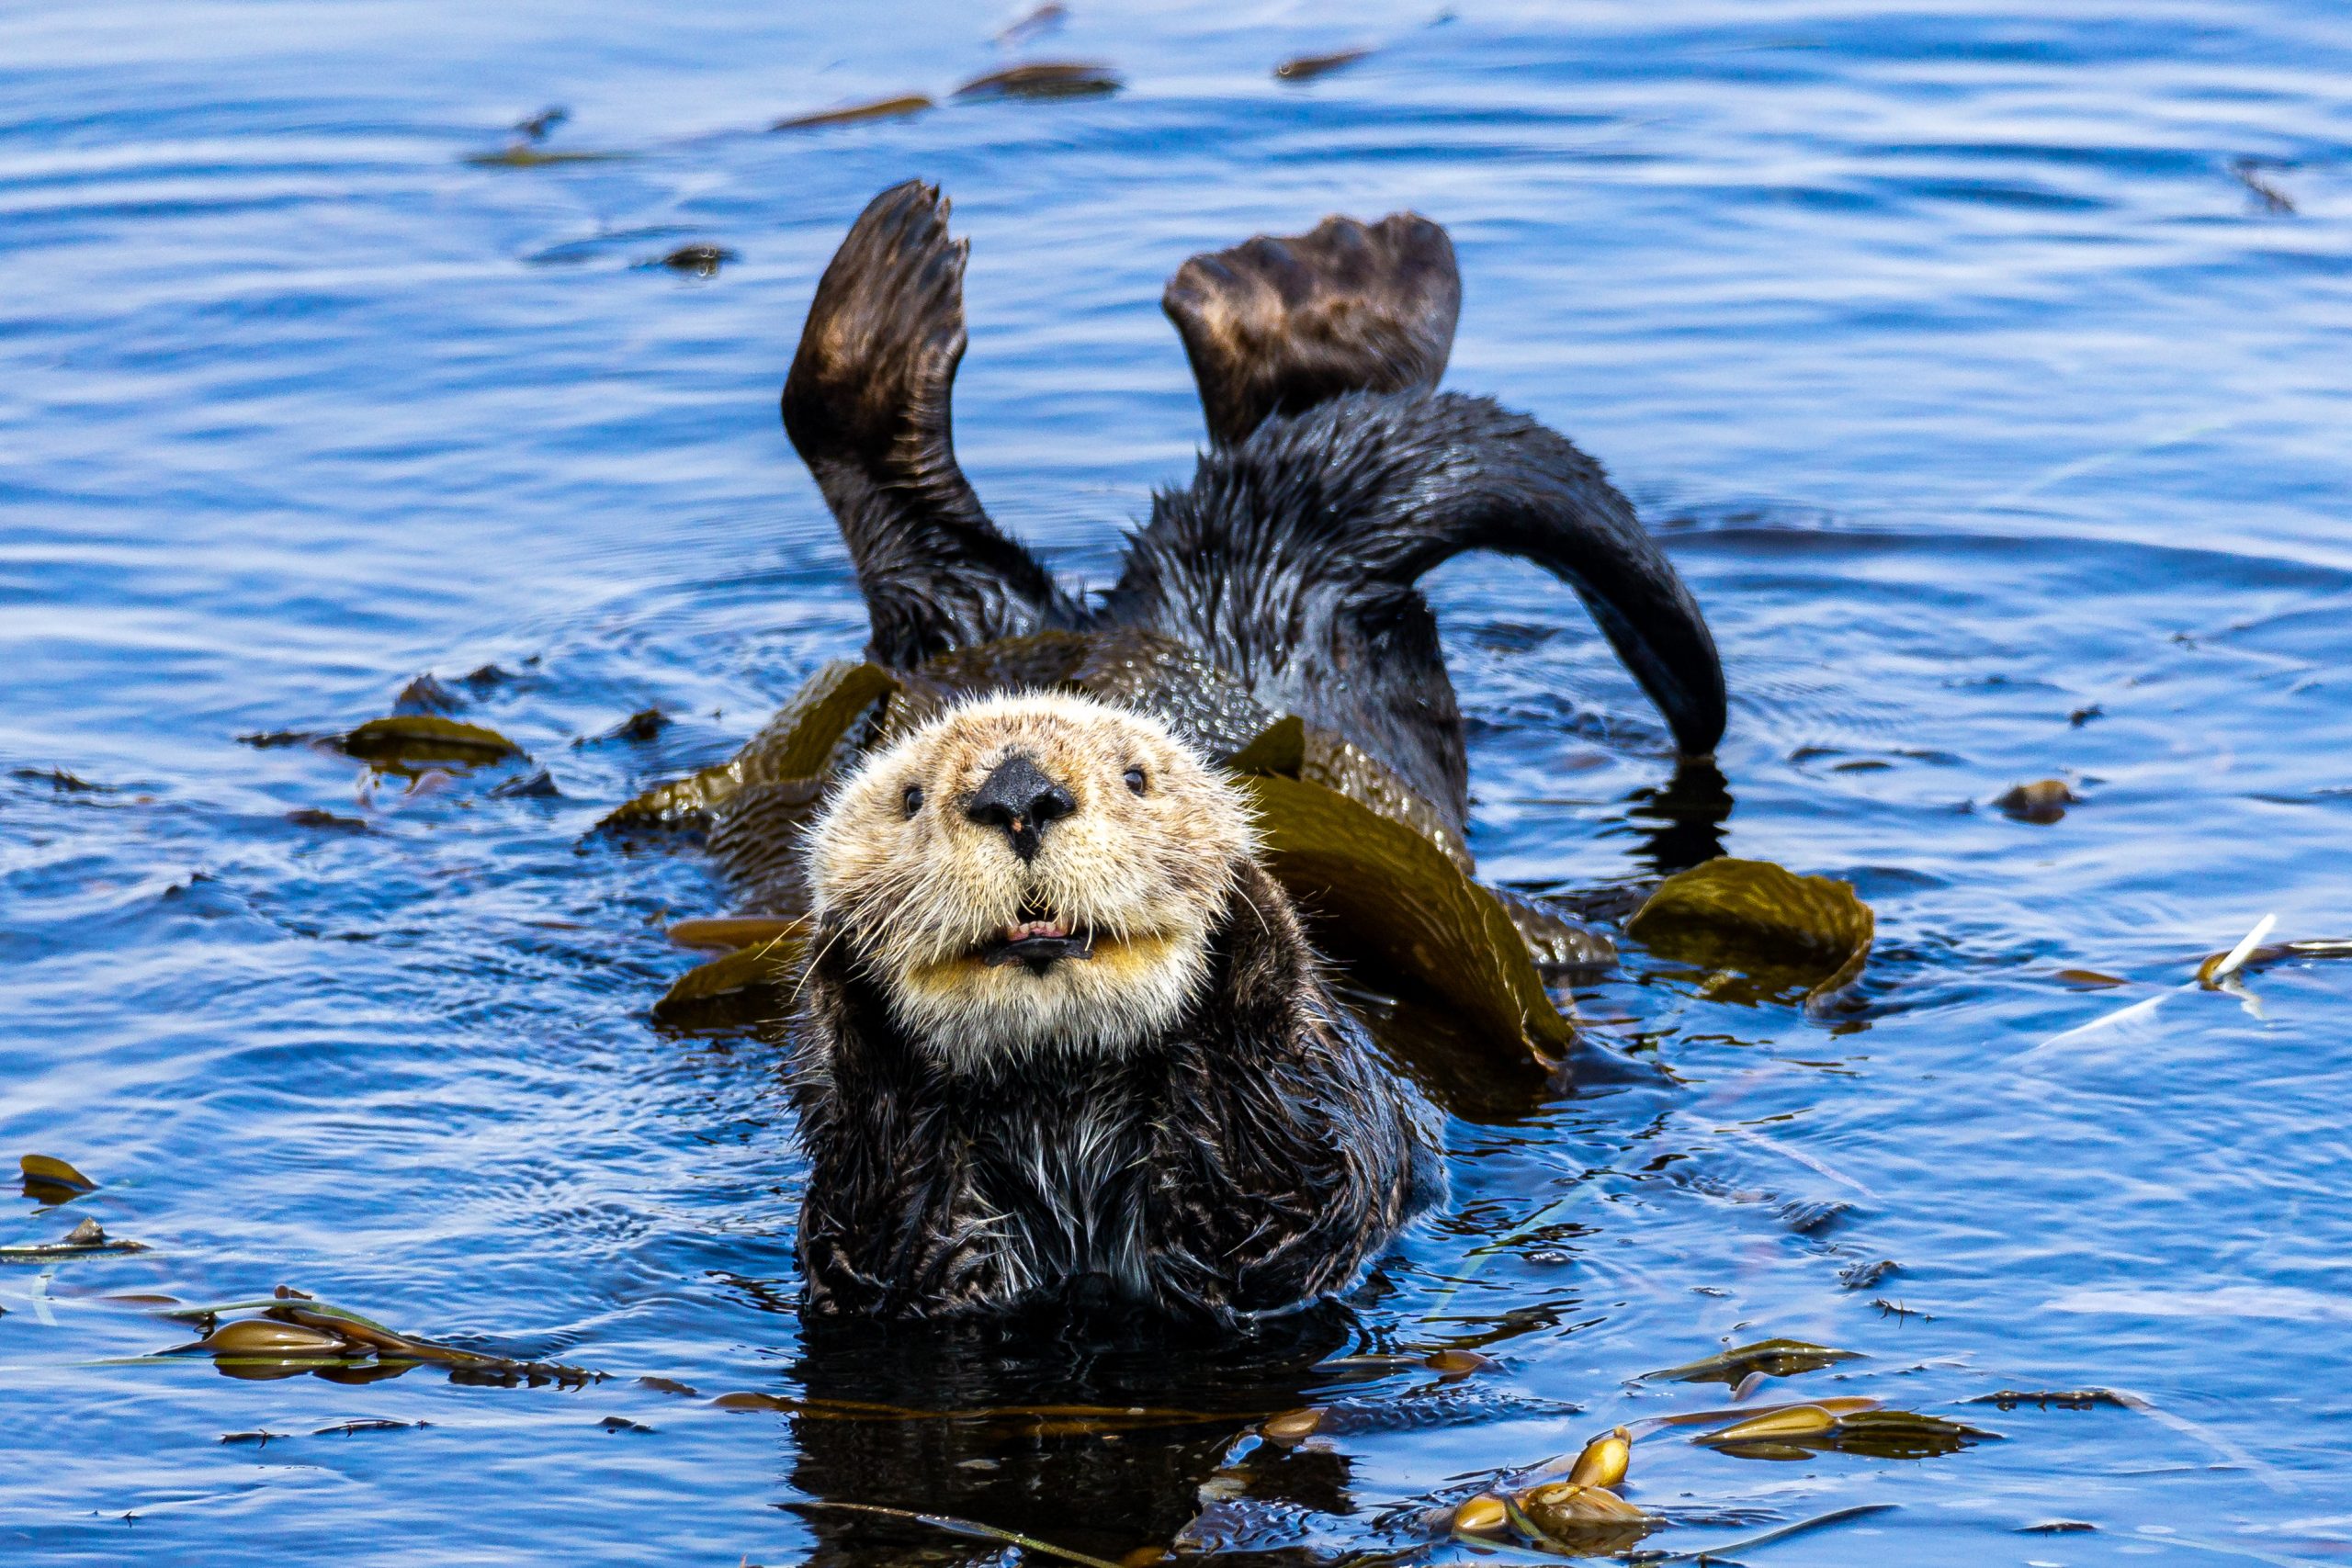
966	1528
295	1333
85	1240
1307	67
2043	801
53	1180
1604	1461
1448	1364
702	260
1790	1421
2045	1398
1780	1358
815	733
523	155
372	1424
897	108
1577	1521
1384	894
1280	749
1754	918
726	933
1482	1514
427	737
1841	1405
1798	1431
266	1336
1045	79
427	694
264	1349
645	724
738	976
1293	1427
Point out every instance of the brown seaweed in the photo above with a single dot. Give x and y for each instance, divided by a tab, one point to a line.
896	107
523	155
699	260
52	1180
2043	801
1384	894
741	975
1801	1431
1044	79
1753	920
815	733
1307	67
406	739
1780	1358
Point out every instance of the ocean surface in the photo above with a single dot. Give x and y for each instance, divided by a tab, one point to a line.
1984	366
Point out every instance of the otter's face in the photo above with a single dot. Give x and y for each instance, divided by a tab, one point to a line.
1031	871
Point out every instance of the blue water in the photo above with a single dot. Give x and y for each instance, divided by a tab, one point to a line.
1971	385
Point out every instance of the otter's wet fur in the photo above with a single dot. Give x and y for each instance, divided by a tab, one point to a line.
1055	1040
1164	1109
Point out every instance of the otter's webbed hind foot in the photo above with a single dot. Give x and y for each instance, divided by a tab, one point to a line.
1277	325
866	405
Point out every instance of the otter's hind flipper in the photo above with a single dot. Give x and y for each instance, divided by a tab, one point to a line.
1292	561
1279	325
866	406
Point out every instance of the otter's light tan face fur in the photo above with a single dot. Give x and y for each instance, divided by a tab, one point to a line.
1032	871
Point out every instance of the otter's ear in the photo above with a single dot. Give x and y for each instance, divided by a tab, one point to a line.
866	406
1279	325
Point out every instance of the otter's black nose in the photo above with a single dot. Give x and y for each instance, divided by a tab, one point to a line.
1019	798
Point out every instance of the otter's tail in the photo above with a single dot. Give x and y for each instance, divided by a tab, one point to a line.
1292	561
866	406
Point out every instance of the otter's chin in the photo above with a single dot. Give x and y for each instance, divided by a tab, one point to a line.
1023	991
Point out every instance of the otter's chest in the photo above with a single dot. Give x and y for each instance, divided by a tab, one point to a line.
1057	1185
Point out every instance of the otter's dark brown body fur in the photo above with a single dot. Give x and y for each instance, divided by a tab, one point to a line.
1256	1158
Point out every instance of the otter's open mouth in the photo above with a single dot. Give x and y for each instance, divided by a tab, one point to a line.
1037	943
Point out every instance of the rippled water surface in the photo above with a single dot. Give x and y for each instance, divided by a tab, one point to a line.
1997	416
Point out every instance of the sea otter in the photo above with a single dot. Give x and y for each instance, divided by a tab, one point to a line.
1059	1035
1059	1038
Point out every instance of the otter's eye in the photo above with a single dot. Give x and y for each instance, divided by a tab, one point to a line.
913	798
1136	780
